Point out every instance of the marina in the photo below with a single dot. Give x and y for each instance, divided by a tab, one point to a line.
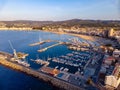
76	60
42	62
40	75
63	64
55	72
59	45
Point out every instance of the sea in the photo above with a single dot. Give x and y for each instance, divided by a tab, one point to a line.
14	80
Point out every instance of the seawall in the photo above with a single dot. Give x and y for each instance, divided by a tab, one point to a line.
56	82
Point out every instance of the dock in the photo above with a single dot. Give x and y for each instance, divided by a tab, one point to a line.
42	62
5	55
40	75
44	49
39	43
21	55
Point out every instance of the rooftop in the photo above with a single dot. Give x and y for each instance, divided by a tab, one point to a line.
49	70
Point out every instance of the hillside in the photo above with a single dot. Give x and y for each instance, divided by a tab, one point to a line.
66	23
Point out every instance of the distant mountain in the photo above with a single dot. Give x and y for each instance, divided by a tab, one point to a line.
87	23
91	22
67	23
26	23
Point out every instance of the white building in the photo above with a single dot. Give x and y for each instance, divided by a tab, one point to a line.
111	32
114	79
109	60
116	53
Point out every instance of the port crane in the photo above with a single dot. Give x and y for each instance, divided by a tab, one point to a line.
18	55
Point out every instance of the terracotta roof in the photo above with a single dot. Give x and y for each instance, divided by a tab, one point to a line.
50	70
110	58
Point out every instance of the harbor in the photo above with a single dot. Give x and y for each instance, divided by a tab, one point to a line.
57	74
72	44
35	73
67	65
60	45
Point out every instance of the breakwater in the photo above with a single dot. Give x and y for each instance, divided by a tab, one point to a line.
55	81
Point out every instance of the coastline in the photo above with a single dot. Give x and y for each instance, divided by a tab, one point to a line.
86	37
20	29
91	38
99	40
38	31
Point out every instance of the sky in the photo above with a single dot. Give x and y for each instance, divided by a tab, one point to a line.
58	10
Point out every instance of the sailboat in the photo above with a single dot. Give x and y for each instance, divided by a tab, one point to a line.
48	58
37	43
42	50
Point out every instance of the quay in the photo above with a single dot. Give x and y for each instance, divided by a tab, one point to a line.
42	62
71	46
5	60
44	49
39	43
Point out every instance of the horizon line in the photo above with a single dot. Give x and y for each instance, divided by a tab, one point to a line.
62	20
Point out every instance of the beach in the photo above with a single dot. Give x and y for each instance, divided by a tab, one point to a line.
86	37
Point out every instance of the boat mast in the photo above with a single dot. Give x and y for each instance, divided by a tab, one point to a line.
40	40
14	51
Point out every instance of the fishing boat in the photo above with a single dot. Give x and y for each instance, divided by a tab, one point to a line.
56	67
66	70
61	68
24	63
40	61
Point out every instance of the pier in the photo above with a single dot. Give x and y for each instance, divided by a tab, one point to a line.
42	62
53	80
39	43
44	49
5	55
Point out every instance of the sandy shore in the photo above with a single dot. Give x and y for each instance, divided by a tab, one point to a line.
99	40
91	38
